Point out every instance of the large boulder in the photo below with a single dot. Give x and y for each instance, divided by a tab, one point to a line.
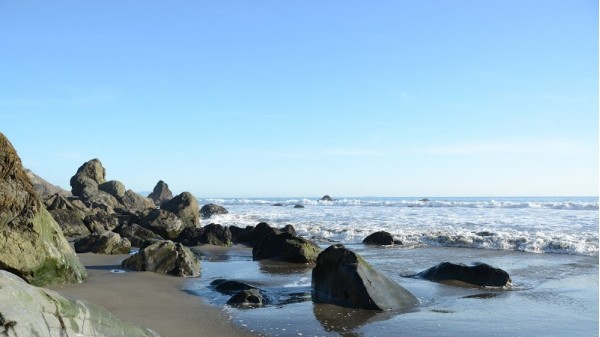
165	257
43	188
104	201
89	175
208	210
163	223
185	206
241	235
31	311
161	193
70	222
114	188
136	202
381	238
138	235
251	298
481	274
261	230
105	243
32	244
343	278
215	234
286	247
100	222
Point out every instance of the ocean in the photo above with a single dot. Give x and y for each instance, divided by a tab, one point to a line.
549	246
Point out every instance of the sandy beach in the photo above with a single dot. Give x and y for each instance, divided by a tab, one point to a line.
151	300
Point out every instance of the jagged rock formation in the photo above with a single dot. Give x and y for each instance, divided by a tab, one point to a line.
161	193
164	223
185	206
31	311
165	257
343	278
105	243
32	244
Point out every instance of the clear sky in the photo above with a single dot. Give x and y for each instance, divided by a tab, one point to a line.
306	98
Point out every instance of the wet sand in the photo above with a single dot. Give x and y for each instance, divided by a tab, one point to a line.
151	300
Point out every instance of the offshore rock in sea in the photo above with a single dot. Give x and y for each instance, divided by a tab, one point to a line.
105	243
185	206
165	257
326	197
161	193
26	310
381	238
343	278
480	274
32	244
286	247
208	210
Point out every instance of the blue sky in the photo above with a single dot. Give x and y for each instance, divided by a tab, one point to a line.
306	98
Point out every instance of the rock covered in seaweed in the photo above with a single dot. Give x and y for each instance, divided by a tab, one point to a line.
343	278
32	244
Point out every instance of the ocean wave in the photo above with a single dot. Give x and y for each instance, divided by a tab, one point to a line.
384	202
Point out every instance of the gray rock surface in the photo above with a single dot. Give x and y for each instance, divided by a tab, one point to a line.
286	247
114	188
481	274
43	188
32	244
26	311
89	175
137	234
161	193
136	202
165	257
164	223
70	221
100	222
208	210
251	298
343	278
185	206
105	243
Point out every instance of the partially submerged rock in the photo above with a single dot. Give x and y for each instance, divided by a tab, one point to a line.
207	211
32	244
343	278
165	257
251	298
31	311
326	197
381	238
286	247
479	274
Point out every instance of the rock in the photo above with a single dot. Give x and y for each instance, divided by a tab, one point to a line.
298	206
136	202
100	222
104	201
481	274
58	201
381	238
89	175
277	204
165	257
230	287
114	188
43	188
185	206
161	193
31	311
215	234
105	243
424	200
286	247
137	234
261	230
190	236
343	278
326	198
208	210
32	244
163	223
241	235
70	222
288	229
248	298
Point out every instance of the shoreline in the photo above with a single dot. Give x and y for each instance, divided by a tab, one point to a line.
154	301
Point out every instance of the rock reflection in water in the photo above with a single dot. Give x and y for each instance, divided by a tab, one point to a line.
346	321
282	268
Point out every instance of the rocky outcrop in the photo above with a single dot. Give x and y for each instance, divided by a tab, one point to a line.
70	222
482	275
161	193
381	238
135	202
31	311
114	188
165	257
241	235
185	206
85	182
137	234
100	222
286	247
105	243
208	210
43	188
215	234
163	223
32	244
343	278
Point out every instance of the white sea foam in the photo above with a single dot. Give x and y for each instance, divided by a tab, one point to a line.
536	225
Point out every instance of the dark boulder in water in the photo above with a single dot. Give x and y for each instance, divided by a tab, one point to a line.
208	210
326	197
381	238
286	247
481	274
250	298
230	287
343	278
215	234
241	235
